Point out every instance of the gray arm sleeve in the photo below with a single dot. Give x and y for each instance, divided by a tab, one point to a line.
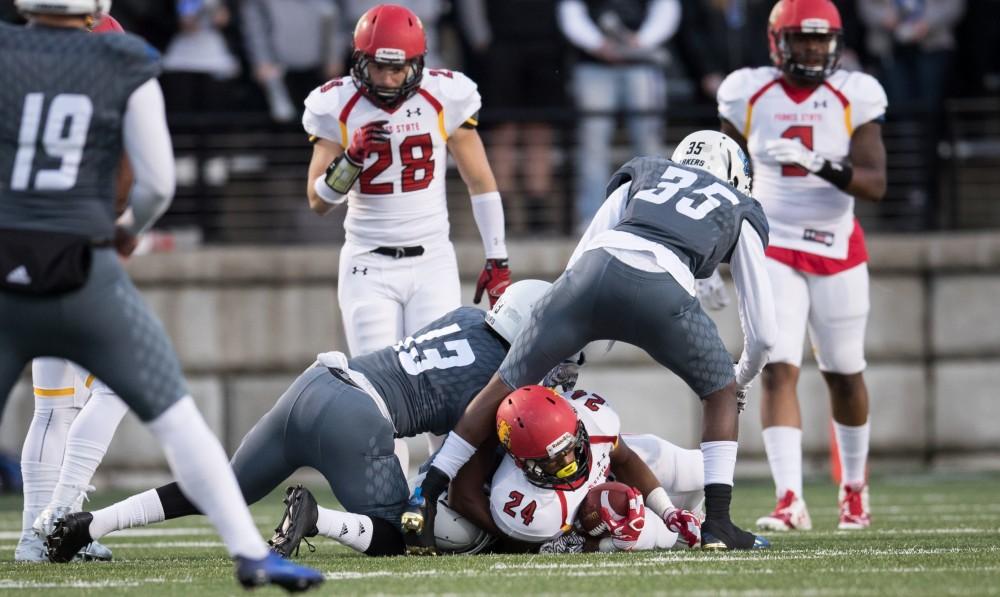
756	304
151	155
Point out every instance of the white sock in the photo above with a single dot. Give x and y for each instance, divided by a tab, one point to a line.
720	462
42	453
87	442
39	479
784	453
455	452
853	444
136	511
200	466
353	530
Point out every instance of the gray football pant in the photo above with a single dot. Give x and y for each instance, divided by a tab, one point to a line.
601	298
105	327
335	428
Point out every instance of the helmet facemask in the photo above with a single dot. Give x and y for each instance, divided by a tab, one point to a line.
387	97
539	471
809	63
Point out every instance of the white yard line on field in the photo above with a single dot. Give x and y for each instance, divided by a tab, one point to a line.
86	584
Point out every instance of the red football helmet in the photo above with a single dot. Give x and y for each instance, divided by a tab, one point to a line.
388	34
539	429
818	20
107	24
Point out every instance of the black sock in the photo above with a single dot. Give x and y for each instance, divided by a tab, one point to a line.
387	540
175	503
718	497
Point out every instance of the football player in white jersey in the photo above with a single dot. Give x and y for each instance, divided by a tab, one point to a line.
381	142
814	135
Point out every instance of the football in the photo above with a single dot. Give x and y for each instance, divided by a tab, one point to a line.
611	495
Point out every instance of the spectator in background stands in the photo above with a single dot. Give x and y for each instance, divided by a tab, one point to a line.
979	49
523	78
621	56
198	66
913	41
293	47
428	11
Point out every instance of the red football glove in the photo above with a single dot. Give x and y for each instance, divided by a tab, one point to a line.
625	530
685	524
367	139
494	280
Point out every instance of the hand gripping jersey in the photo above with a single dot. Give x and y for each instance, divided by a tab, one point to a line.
428	379
399	199
687	210
62	99
806	213
533	514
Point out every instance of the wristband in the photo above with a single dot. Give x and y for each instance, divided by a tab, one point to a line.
341	174
658	501
327	194
837	174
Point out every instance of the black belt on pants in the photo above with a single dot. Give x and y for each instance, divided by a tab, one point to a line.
400	252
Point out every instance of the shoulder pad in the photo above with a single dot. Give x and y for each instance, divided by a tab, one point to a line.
865	94
458	94
142	60
329	97
599	418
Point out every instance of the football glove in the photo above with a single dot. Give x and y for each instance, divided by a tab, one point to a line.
565	374
625	531
712	292
494	279
685	524
791	151
367	139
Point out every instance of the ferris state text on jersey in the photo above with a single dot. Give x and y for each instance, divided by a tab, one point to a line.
399	199
526	512
805	212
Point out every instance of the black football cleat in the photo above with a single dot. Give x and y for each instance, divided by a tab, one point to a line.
297	523
724	535
418	526
70	534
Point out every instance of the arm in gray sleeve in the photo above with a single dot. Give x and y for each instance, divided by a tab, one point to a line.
756	304
605	219
577	25
151	155
256	36
661	23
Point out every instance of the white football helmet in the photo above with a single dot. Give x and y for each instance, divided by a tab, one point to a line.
455	534
64	7
512	310
716	153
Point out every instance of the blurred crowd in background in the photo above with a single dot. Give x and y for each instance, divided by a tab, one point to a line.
546	64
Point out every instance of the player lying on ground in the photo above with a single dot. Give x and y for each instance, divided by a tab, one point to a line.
340	417
558	447
631	278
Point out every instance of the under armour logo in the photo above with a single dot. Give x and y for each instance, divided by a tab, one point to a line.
343	530
362	270
819	104
414	112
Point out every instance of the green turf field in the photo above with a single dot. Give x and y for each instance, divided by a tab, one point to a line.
932	536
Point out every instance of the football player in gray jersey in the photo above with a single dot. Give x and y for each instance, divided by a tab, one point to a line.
340	417
632	278
72	101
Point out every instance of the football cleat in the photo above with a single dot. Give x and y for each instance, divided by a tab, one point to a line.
790	514
418	526
274	570
30	548
686	524
70	534
722	536
297	523
854	513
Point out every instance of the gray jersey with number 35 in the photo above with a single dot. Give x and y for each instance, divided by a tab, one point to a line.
428	379
688	210
62	102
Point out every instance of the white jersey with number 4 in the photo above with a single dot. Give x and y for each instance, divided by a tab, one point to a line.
526	512
805	212
399	199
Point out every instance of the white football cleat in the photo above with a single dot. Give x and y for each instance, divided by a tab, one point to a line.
854	512
790	514
30	548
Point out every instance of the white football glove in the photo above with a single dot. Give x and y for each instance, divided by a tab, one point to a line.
791	151
565	374
712	292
